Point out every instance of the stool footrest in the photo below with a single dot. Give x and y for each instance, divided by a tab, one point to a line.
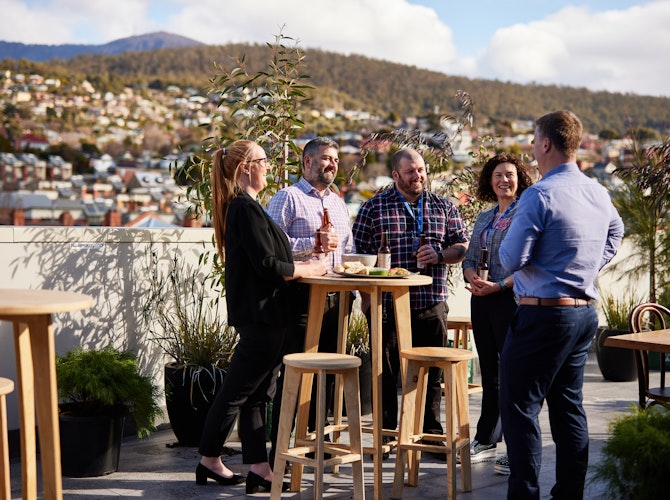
345	458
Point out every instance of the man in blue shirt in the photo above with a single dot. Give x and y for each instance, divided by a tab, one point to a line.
566	229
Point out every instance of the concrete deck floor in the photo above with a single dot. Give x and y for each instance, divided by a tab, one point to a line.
151	469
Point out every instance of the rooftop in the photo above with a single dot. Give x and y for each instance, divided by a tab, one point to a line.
155	469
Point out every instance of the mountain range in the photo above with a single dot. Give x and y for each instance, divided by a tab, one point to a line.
38	53
353	81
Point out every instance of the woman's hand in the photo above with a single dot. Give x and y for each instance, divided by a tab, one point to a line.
480	287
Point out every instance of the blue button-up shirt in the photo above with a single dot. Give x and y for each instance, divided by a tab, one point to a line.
565	230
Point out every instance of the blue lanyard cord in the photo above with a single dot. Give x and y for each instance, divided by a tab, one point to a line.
418	218
504	215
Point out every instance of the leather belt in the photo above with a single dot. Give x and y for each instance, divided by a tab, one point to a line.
563	301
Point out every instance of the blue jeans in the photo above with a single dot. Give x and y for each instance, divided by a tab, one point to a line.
543	358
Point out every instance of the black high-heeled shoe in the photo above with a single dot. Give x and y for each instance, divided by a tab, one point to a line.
256	482
202	473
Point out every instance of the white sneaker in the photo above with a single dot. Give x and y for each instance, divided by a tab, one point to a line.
502	465
481	452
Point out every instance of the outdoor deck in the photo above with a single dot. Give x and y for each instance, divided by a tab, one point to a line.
152	470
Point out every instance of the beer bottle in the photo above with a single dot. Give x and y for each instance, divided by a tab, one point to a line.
483	267
325	227
384	252
422	242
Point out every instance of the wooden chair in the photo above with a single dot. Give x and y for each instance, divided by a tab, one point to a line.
6	386
646	317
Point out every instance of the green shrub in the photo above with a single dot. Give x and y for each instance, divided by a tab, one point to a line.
635	460
358	338
616	311
107	381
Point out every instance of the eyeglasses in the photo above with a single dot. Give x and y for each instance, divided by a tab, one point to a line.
261	161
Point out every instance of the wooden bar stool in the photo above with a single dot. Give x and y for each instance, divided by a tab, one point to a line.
461	326
411	438
6	386
301	368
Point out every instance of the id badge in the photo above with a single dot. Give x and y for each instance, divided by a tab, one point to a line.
416	243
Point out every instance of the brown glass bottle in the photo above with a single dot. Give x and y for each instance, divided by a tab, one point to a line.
421	266
483	267
384	252
325	227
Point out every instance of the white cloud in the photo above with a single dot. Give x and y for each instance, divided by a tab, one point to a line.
383	29
618	51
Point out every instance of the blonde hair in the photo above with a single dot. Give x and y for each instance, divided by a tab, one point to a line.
225	172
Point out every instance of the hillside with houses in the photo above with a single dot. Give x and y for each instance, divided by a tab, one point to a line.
75	155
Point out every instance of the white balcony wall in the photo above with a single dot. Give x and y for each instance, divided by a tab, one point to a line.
108	264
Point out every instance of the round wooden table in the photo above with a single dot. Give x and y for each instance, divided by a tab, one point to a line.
34	345
374	286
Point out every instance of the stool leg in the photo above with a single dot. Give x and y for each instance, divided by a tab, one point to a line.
414	456
286	417
6	492
407	416
450	426
352	400
319	447
463	412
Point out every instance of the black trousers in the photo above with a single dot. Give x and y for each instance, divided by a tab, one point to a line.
247	388
428	329
491	316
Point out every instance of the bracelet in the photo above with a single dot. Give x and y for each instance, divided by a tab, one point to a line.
503	285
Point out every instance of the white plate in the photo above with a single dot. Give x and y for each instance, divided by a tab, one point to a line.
372	276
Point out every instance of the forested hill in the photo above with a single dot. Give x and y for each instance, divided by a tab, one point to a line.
359	82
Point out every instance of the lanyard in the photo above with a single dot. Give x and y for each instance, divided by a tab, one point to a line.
418	218
504	215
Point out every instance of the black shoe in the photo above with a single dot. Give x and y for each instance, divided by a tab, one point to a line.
385	440
202	473
256	482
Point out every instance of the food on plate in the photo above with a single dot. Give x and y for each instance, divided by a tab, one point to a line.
398	271
379	271
339	268
355	268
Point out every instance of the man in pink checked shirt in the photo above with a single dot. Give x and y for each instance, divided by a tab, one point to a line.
298	210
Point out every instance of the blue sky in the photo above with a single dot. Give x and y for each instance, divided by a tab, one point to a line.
613	45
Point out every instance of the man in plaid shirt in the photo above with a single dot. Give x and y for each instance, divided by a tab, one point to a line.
408	211
298	210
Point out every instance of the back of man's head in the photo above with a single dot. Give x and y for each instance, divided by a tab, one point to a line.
563	129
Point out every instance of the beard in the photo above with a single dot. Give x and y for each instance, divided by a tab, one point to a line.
414	188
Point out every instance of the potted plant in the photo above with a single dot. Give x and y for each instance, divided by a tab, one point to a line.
358	344
187	325
634	459
616	364
97	389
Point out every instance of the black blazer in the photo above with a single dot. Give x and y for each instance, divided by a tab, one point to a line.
258	256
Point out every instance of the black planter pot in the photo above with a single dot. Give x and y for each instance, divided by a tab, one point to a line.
90	445
615	363
189	393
